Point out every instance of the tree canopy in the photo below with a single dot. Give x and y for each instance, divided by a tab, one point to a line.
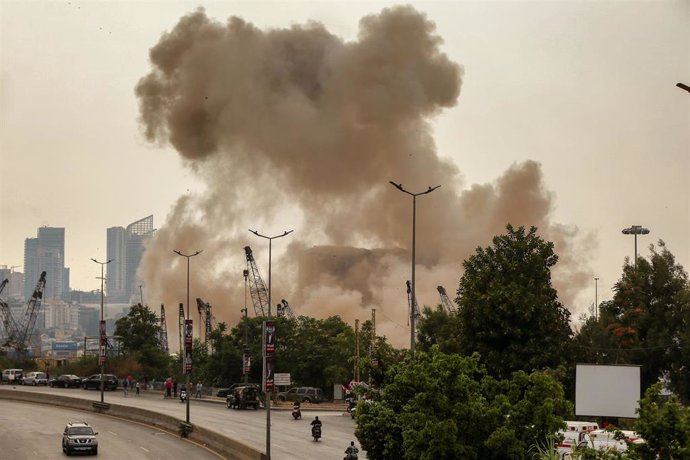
508	310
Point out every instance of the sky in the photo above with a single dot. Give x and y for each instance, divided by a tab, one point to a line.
559	114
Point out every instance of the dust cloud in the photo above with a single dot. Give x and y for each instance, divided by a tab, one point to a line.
296	128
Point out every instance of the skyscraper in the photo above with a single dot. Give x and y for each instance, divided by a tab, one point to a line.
45	253
125	246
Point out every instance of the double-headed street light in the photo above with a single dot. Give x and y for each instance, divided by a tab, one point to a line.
635	230
184	363
414	218
268	393
102	332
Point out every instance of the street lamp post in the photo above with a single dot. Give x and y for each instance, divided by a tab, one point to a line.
596	304
189	390
268	393
414	218
101	358
635	230
245	273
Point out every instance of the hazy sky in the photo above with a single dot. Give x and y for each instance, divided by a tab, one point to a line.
586	89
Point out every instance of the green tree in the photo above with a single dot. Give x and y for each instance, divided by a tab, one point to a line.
445	406
439	327
647	322
664	424
139	333
508	310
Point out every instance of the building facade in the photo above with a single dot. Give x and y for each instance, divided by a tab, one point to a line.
125	247
46	253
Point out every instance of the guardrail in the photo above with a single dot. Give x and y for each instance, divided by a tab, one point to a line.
227	447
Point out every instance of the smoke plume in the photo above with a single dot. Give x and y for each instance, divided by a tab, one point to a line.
298	129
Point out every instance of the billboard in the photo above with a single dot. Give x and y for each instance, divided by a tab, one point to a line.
607	390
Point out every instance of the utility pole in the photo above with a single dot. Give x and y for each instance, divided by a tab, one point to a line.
246	330
356	370
103	333
414	196
596	303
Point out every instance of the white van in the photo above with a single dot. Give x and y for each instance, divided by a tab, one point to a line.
606	440
12	375
572	436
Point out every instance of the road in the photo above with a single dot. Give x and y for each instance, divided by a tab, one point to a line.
32	431
290	439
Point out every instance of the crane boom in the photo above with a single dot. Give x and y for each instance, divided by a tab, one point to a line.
445	300
257	288
283	309
205	312
163	332
8	322
26	328
412	303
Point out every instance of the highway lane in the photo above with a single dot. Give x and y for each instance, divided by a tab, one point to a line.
34	431
290	439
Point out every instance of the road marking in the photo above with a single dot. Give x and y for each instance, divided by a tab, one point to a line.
279	446
113	433
143	448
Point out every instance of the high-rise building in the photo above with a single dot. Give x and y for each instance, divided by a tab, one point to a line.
125	247
46	253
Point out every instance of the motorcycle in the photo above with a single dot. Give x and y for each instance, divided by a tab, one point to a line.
351	407
351	457
296	413
183	395
316	432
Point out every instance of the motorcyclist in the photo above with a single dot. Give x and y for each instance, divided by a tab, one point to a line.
316	425
351	452
183	394
296	410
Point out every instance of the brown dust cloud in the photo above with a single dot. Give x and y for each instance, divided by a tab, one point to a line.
295	128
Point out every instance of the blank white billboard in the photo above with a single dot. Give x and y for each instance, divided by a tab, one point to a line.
607	390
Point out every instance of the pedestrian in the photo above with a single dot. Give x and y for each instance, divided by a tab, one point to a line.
125	385
199	386
168	387
136	385
129	380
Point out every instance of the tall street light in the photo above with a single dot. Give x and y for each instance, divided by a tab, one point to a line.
268	393
189	390
683	86
101	355
245	273
414	218
596	304
635	230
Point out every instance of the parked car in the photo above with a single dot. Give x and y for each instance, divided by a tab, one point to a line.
12	376
301	394
35	378
93	382
79	437
66	381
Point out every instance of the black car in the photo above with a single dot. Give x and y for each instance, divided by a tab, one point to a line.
66	381
94	382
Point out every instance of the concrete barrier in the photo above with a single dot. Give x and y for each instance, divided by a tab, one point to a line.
224	446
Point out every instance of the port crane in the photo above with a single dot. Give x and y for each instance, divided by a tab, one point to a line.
445	300
412	303
257	288
19	333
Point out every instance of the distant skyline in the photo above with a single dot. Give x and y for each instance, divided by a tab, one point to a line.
586	90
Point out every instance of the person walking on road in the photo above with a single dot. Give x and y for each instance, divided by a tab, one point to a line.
199	387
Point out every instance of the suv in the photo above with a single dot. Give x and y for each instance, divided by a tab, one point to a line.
79	437
94	382
302	394
35	378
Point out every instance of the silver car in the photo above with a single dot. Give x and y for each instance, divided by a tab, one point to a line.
35	378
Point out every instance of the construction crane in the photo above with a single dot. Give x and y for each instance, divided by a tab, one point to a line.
445	301
8	321
412	303
20	333
257	288
163	332
283	309
205	312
